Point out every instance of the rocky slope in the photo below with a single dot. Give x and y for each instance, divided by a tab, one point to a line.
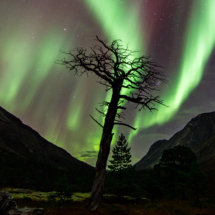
27	159
198	134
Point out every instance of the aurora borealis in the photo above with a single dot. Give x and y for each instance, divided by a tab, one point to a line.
177	34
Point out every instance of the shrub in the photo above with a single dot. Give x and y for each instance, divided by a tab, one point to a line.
63	192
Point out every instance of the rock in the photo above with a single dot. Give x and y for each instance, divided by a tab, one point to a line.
26	211
8	207
6	203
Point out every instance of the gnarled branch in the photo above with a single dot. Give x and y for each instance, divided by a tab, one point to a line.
125	125
146	101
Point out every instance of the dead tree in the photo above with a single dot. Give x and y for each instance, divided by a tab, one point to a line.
117	68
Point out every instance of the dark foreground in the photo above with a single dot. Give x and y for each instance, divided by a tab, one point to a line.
112	205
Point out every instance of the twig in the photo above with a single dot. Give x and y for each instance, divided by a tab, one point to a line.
125	125
96	121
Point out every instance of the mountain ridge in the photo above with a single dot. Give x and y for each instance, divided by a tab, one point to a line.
198	134
29	150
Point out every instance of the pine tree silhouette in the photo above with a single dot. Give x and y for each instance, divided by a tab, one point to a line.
120	165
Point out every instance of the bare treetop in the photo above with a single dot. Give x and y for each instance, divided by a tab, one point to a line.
140	75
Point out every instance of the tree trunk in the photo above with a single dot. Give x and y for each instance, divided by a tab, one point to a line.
98	183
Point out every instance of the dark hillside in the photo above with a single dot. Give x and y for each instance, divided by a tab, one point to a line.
27	160
198	134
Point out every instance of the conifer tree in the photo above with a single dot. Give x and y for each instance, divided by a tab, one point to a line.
63	192
121	155
121	168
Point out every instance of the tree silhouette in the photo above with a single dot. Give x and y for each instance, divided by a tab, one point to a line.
118	69
175	163
121	155
120	165
177	158
181	177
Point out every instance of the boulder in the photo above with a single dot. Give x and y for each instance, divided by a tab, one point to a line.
8	207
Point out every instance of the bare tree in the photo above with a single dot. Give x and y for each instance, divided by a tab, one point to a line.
117	68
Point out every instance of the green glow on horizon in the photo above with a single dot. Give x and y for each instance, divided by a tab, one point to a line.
197	49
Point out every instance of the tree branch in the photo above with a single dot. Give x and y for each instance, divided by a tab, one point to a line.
101	112
125	125
108	86
96	121
120	107
86	62
146	102
117	120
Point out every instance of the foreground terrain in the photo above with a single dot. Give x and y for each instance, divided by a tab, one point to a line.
111	205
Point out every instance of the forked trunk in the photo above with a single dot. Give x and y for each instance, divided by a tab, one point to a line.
98	183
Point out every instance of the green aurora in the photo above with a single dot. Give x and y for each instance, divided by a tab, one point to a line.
197	49
58	104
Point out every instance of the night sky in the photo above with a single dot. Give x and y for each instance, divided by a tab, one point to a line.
177	34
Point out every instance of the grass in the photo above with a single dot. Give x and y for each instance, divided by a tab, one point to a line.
112	205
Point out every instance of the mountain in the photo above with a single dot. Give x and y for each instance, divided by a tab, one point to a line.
27	160
198	134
